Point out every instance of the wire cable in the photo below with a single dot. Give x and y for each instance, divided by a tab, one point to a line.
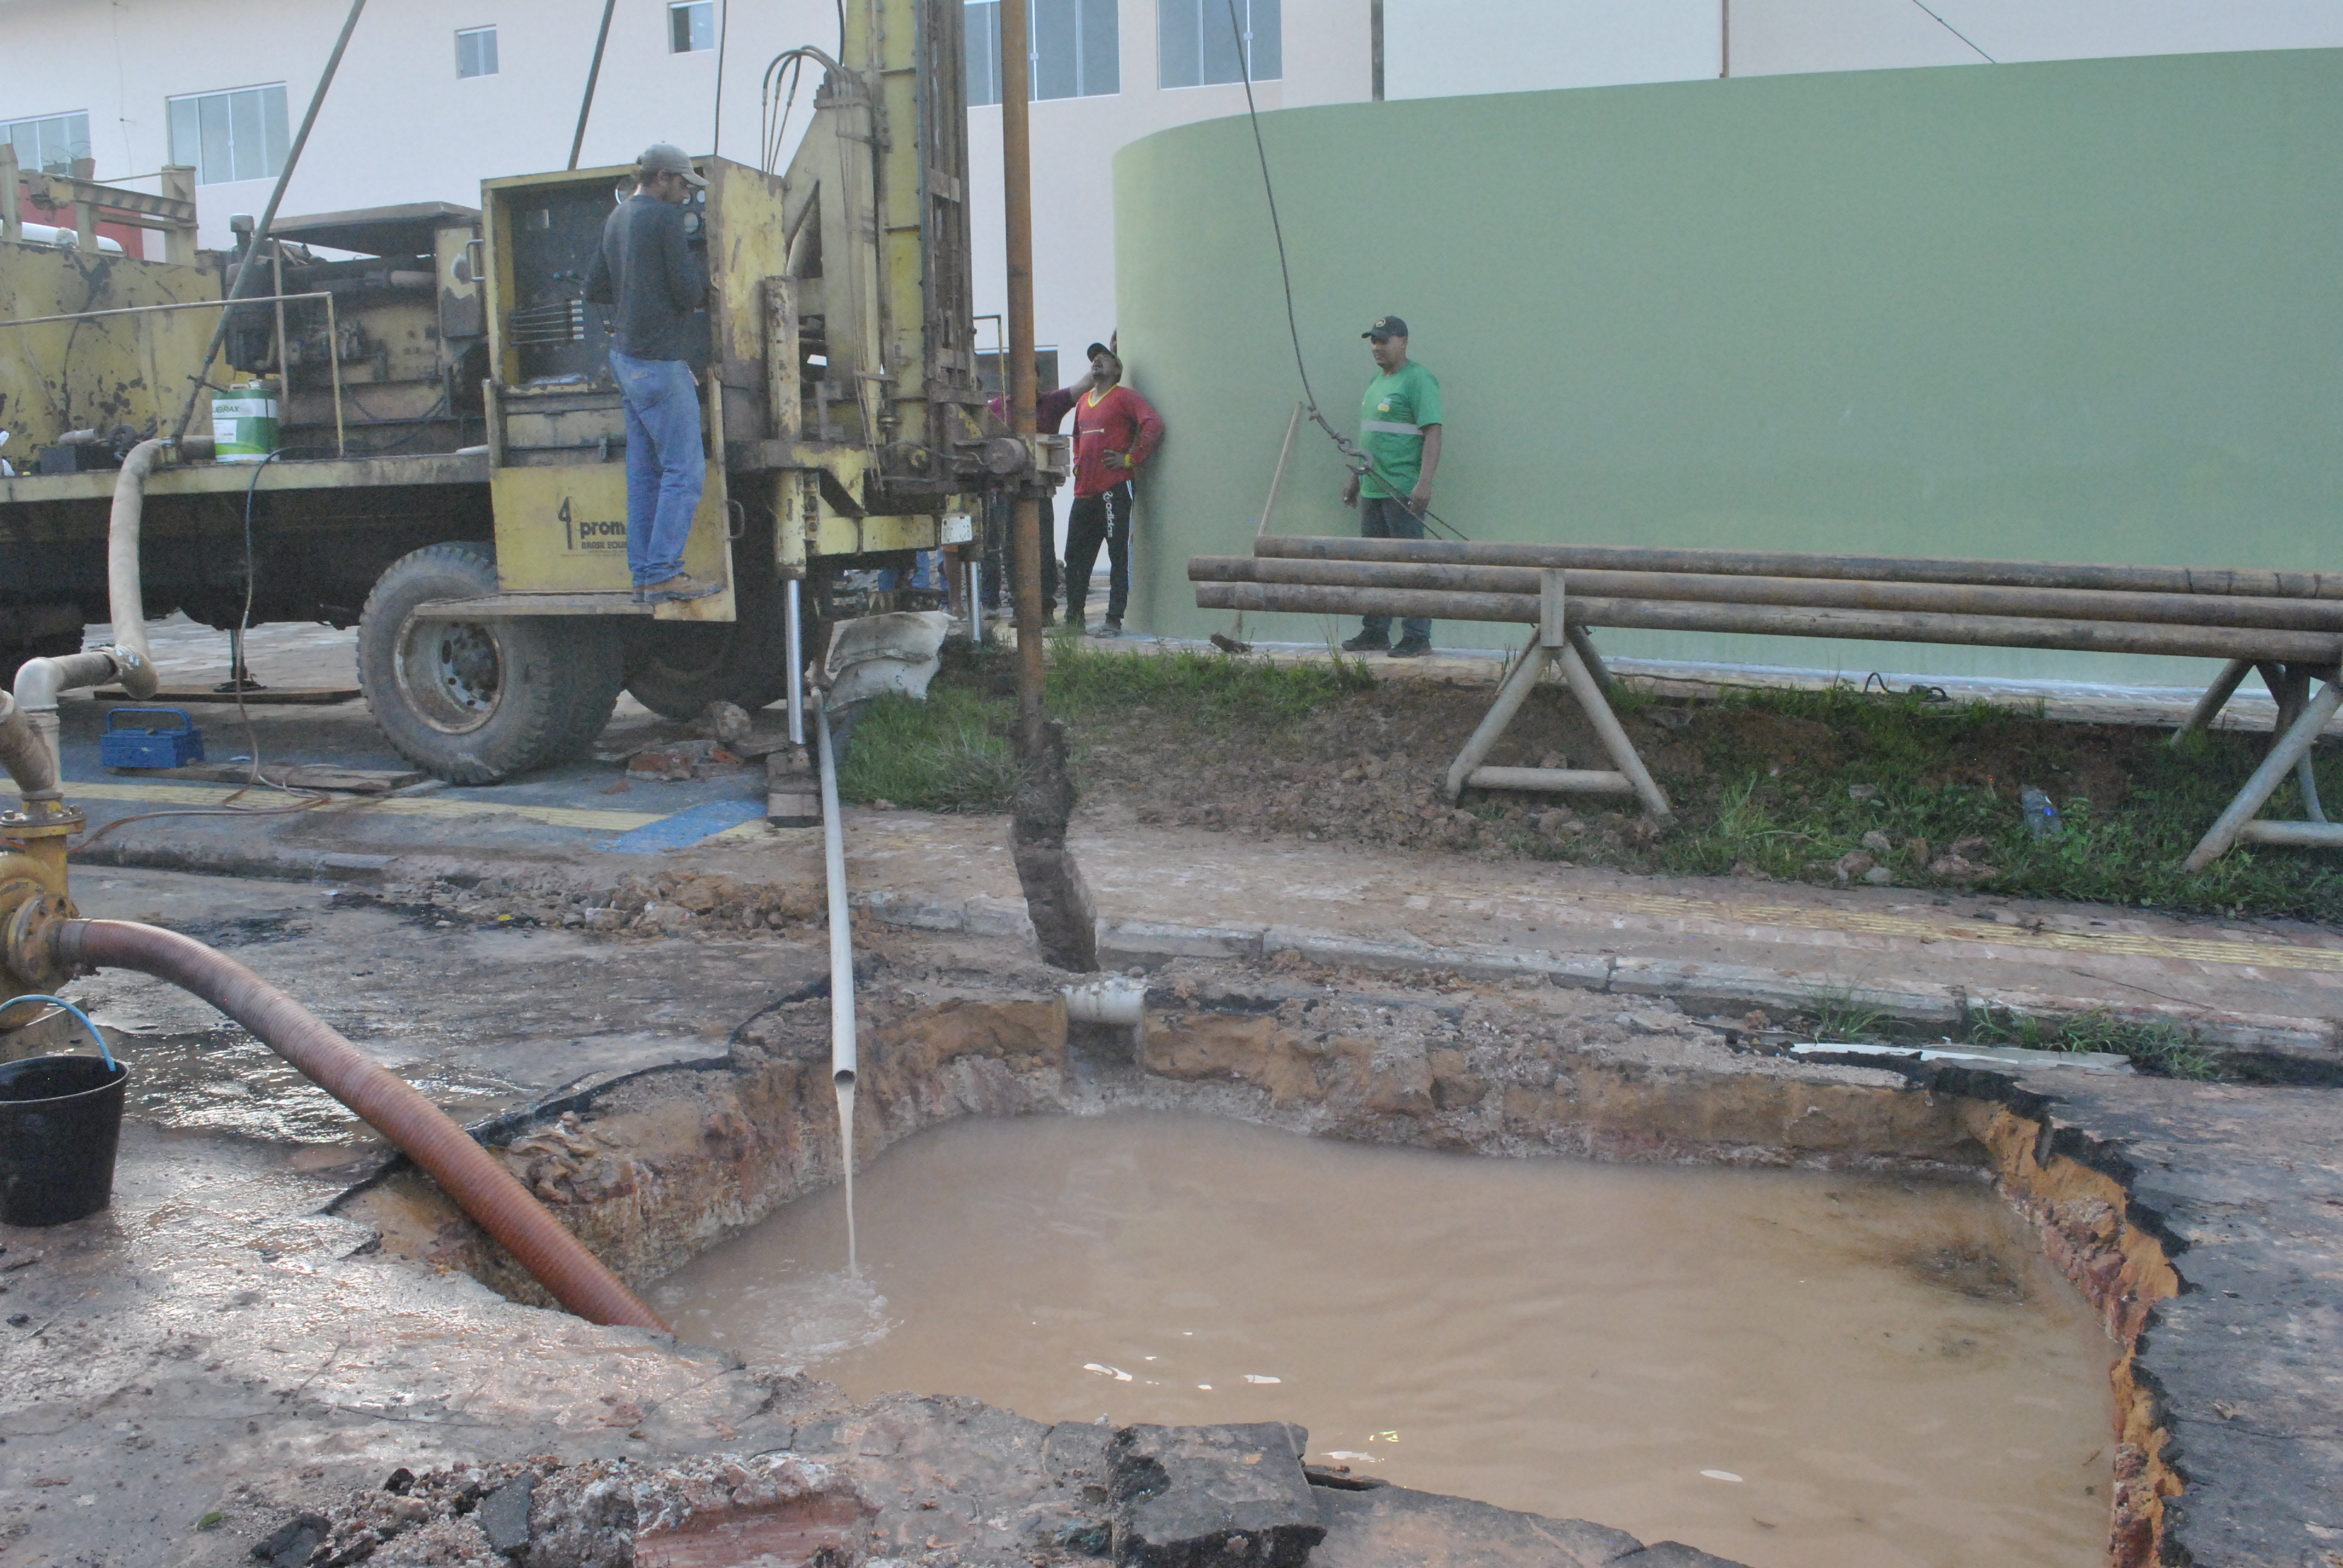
723	38
1361	463
103	1049
1957	32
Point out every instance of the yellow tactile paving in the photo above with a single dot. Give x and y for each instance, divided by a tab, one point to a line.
2119	944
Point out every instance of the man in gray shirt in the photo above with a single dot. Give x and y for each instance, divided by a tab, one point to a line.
653	266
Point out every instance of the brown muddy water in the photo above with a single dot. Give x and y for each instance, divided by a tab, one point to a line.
1794	1370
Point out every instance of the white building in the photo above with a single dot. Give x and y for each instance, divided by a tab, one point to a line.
436	94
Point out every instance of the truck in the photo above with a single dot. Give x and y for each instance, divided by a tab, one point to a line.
446	472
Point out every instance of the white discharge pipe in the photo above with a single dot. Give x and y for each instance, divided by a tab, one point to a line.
28	727
842	933
841	973
125	596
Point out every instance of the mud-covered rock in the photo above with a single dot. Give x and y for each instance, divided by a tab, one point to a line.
1209	1496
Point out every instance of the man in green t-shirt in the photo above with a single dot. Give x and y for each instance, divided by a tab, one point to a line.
1399	431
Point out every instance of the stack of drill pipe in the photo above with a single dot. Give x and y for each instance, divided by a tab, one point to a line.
2285	616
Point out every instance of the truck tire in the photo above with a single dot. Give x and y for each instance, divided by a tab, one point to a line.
478	702
675	668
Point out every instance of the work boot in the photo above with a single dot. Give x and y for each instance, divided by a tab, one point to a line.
681	586
1411	648
1107	629
1367	642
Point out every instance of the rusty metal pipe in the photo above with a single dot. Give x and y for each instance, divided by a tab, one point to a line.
1027	524
2318	648
476	1178
2210	581
1951	599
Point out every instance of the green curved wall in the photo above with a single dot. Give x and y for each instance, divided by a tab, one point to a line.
2083	310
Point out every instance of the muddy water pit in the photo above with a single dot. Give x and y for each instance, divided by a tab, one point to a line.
1836	1344
1779	1367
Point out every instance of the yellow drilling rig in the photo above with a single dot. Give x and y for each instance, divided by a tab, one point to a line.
447	470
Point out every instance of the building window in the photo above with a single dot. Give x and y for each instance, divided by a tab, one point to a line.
51	143
1198	45
475	52
983	51
235	135
1074	49
691	27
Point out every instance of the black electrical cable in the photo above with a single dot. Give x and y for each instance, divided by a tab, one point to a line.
1360	462
772	134
723	38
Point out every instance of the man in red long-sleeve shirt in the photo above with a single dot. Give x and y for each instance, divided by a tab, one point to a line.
1114	432
1050	411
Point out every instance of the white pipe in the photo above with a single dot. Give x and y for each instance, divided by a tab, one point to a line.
841	932
45	234
126	597
21	750
1115	999
28	730
33	758
793	649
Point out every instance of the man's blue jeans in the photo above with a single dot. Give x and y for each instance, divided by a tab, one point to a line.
666	469
1383	517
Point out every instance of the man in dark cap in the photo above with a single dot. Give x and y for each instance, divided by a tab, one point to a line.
653	266
1114	431
1399	432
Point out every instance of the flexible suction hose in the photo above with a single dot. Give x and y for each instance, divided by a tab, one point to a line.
489	1192
126	595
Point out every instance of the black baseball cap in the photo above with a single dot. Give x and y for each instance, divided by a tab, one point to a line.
1096	349
1386	326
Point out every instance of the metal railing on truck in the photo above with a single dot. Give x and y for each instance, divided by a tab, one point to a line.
333	336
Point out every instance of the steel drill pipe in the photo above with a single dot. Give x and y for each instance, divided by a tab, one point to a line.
2217	581
1789	620
476	1178
1949	599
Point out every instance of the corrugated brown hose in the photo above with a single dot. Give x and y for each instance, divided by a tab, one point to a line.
476	1178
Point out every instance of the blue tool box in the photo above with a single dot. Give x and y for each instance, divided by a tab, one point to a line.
138	746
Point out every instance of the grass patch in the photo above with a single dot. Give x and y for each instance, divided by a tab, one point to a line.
953	753
949	753
2162	1049
1788	784
1210	689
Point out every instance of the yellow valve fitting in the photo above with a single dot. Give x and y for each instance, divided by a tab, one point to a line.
33	895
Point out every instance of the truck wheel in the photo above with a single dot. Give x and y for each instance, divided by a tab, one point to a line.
476	702
675	668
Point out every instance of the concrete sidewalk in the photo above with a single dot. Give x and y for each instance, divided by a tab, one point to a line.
1717	945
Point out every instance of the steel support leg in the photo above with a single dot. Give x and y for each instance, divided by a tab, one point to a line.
1592	660
2293	748
1614	738
2216	696
1510	697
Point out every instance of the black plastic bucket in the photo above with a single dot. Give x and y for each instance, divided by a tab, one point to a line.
60	1121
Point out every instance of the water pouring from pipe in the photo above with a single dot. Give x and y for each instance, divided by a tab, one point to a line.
842	969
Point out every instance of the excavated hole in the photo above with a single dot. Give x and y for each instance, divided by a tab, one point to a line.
656	1171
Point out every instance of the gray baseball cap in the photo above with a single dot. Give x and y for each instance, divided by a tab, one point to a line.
666	159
